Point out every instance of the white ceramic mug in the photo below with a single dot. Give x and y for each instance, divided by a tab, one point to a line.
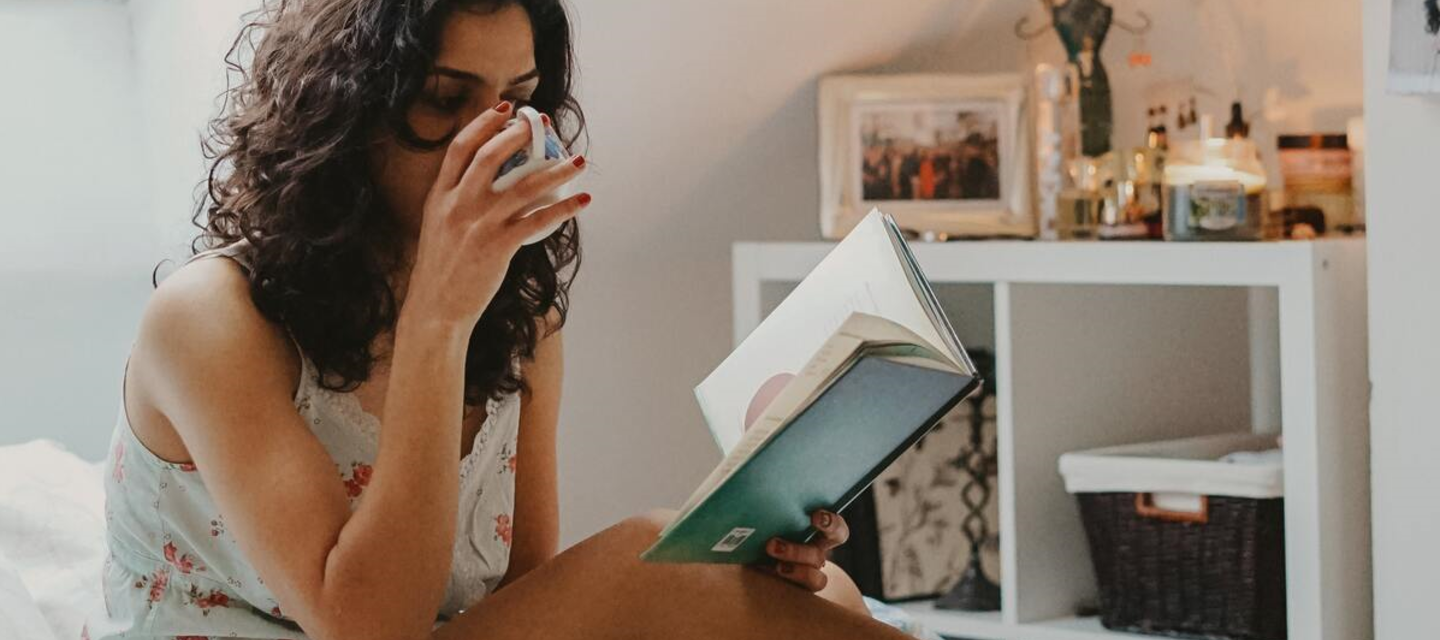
546	150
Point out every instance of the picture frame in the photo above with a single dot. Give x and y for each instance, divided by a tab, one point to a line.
948	156
1414	67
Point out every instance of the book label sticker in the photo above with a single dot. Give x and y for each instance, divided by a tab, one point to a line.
732	540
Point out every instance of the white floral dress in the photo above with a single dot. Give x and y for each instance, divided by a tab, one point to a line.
175	572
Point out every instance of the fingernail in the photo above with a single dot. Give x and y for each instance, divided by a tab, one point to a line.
826	520
779	546
503	107
584	199
545	118
579	162
786	568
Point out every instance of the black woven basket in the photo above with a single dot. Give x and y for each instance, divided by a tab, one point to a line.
1216	574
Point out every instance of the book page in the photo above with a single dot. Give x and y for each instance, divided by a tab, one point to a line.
924	294
863	273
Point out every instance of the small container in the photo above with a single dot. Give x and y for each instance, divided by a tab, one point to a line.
1081	205
1187	537
1135	197
1318	172
1105	199
1214	189
1077	215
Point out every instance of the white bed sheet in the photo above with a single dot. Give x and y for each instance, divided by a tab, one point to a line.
52	531
19	615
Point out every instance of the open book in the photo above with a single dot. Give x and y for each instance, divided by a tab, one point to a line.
856	365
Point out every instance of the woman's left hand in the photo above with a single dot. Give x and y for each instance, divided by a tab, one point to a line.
802	563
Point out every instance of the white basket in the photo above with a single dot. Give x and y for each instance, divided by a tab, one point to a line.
1177	467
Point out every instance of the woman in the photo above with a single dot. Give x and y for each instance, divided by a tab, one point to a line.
363	272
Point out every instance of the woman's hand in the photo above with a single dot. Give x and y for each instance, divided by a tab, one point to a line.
470	233
802	563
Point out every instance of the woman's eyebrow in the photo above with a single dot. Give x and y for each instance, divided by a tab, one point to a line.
451	72
525	77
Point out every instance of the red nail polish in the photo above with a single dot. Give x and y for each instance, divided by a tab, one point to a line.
826	520
545	118
779	546
579	162
584	199
503	107
786	568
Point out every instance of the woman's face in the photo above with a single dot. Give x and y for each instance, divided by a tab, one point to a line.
484	58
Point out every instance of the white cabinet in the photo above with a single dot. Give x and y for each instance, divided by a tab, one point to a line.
1107	343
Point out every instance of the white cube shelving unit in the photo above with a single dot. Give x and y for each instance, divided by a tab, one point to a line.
1106	343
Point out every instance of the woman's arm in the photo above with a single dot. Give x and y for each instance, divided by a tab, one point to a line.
217	371
537	508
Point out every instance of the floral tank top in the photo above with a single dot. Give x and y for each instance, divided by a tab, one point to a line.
175	572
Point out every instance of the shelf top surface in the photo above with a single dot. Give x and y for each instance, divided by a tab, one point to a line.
1160	263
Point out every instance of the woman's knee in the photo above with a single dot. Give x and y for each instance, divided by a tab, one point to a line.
615	551
653	521
637	532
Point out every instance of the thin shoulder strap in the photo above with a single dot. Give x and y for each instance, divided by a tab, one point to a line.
239	251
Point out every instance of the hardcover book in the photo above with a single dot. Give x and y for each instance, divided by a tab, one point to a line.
849	371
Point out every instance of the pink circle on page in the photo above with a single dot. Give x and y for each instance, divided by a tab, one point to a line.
765	395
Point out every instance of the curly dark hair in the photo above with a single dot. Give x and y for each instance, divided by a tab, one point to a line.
289	171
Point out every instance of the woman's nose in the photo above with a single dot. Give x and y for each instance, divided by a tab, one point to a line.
487	101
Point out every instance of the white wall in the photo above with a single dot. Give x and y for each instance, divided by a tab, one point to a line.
70	144
1404	224
76	242
703	133
100	108
178	60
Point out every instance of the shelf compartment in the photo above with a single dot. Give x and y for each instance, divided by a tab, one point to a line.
1097	366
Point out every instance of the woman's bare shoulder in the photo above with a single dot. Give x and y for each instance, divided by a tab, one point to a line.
204	313
202	347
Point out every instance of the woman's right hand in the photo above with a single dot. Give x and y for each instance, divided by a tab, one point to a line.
470	233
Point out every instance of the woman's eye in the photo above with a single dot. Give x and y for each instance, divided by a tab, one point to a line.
447	103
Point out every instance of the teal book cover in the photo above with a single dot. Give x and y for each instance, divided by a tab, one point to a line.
823	459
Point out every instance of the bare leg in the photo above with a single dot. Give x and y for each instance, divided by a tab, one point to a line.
841	590
600	589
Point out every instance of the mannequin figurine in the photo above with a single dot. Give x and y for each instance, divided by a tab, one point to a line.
1082	26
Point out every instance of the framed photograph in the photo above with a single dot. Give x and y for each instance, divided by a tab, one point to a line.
945	155
1414	46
